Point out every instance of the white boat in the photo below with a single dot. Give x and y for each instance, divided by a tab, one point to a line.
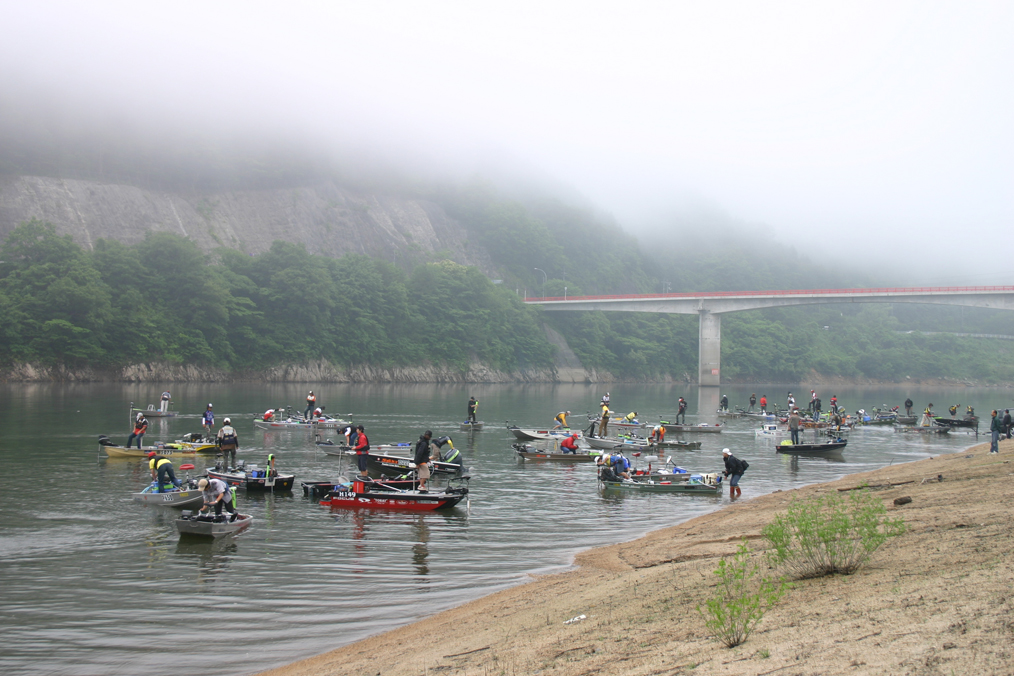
771	430
543	435
181	498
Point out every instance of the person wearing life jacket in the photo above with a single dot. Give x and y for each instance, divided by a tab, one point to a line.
311	403
362	448
140	427
657	434
631	417
452	456
228	442
764	403
620	465
217	494
561	420
164	406
834	403
472	403
422	459
604	419
208	420
605	399
953	411
569	445
272	472
723	405
269	415
161	469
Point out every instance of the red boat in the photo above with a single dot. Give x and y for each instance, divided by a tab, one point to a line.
400	495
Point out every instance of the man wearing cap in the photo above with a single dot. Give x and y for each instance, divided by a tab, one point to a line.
422	459
161	468
561	420
569	445
228	442
681	414
208	421
217	494
734	468
794	421
140	427
311	403
362	449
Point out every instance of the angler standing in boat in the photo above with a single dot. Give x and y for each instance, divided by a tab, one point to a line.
681	414
161	469
362	448
164	406
908	406
734	468
218	495
834	403
604	419
764	403
790	401
561	420
569	445
311	403
724	404
422	459
794	425
140	427
228	442
753	401
208	421
472	403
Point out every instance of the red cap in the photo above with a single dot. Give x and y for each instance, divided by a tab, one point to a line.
151	454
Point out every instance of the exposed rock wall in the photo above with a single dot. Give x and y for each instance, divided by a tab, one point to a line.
314	372
329	219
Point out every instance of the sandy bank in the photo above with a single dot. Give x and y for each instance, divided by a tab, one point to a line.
936	600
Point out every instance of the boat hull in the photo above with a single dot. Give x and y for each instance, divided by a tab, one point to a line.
282	482
833	448
188	449
542	435
178	499
208	528
537	455
388	496
470	427
155	413
937	429
684	487
693	429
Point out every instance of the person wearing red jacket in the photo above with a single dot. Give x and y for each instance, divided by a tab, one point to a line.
569	445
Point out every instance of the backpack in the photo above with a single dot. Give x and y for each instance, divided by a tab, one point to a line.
743	466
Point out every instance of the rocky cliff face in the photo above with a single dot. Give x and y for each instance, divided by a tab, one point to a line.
327	218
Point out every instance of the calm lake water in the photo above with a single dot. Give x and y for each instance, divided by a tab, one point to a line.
96	584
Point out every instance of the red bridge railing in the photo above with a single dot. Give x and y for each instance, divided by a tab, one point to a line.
923	290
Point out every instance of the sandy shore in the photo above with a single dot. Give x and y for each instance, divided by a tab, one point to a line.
936	600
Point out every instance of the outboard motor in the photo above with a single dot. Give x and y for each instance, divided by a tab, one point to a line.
105	441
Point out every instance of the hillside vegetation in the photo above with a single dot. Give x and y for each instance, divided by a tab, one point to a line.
163	299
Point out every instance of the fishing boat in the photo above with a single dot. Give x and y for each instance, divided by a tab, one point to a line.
906	419
618	443
694	484
833	447
700	428
529	452
152	412
208	525
395	495
542	435
393	464
771	430
300	424
677	445
969	422
469	426
253	478
167	449
725	413
184	497
757	415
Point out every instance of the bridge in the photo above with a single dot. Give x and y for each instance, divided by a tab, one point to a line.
710	306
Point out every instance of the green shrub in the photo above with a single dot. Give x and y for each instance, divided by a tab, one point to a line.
742	599
829	534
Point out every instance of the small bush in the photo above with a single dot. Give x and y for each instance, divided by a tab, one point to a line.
830	534
743	598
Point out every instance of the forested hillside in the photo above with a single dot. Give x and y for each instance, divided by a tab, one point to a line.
161	297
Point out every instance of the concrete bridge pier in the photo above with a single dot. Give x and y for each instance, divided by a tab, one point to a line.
710	350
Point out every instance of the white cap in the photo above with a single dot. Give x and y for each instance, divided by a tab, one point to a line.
726	451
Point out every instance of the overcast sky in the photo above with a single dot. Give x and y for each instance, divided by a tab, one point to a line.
887	123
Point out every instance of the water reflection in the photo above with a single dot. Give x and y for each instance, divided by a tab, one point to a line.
707	404
213	556
420	550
